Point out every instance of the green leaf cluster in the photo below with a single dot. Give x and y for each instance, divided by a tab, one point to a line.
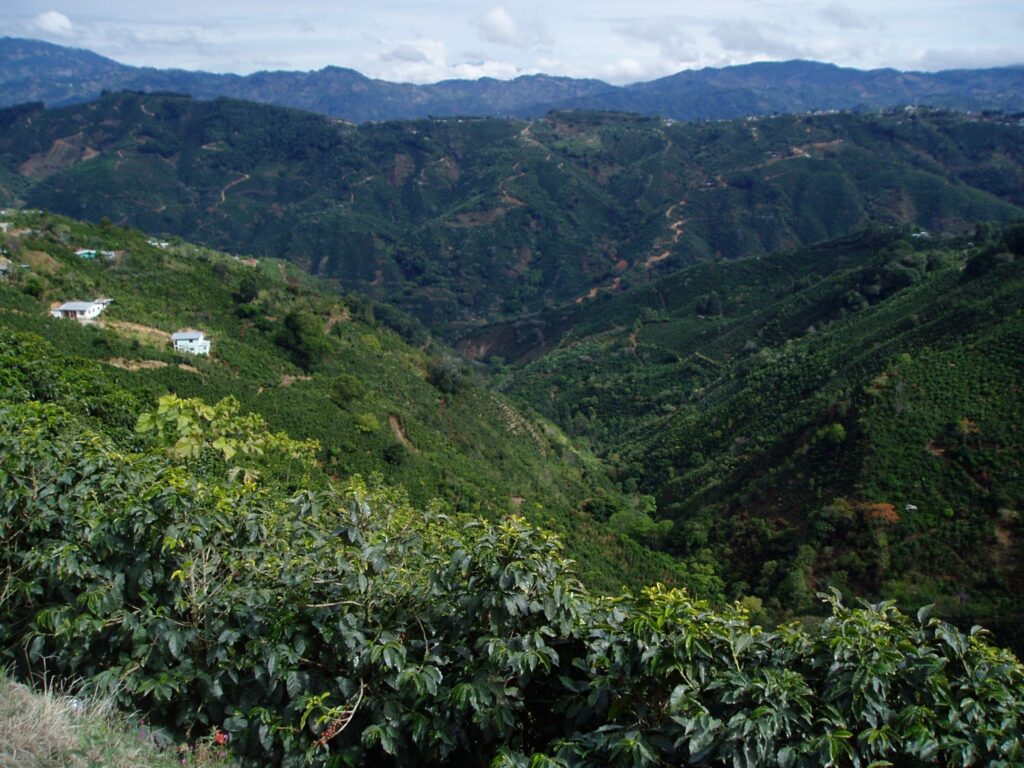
348	627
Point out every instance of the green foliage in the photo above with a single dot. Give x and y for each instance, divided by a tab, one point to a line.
882	370
469	448
461	220
190	431
350	627
446	374
302	336
345	388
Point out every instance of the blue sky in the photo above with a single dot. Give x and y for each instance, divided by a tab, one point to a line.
621	42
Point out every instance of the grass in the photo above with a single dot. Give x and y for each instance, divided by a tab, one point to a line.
46	728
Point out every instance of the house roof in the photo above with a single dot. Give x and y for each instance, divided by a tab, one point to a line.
76	306
187	335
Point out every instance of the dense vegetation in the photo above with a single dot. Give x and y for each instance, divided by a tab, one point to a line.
347	627
462	220
316	365
847	415
332	540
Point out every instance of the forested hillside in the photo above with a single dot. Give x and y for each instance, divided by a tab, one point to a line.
205	569
317	365
462	221
847	415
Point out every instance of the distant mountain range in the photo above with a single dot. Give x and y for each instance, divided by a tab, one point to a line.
32	70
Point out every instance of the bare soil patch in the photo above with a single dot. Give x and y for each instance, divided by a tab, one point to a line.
61	154
146	333
41	262
337	317
287	381
479	218
400	434
136	365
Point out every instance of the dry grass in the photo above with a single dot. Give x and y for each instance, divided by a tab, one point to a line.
51	730
35	729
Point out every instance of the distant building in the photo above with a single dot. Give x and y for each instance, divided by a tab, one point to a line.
82	311
85	253
158	243
190	341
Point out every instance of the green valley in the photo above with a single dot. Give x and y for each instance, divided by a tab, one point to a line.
847	415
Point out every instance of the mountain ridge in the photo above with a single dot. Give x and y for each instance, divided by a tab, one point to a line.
34	70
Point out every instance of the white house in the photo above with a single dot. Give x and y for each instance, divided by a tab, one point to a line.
190	341
82	311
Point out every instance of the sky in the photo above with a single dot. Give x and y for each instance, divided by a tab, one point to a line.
614	40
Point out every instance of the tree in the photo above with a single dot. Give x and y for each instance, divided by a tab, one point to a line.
445	373
345	388
302	335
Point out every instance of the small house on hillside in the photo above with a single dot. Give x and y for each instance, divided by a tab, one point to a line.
82	311
190	341
85	253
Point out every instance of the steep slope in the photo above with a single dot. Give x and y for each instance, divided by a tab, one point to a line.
460	221
31	70
845	416
314	364
322	627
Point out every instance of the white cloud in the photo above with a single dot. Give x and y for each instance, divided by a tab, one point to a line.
412	40
669	35
935	59
843	16
630	70
406	52
746	38
426	61
499	27
53	23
